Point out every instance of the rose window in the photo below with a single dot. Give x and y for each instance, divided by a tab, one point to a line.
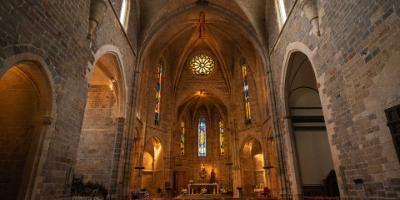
202	64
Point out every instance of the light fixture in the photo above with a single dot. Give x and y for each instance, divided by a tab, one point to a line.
200	93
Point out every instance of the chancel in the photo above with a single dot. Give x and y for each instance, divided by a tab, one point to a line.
199	99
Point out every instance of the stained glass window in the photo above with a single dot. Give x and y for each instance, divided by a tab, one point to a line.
182	139
221	138
202	64
158	94
246	93
202	143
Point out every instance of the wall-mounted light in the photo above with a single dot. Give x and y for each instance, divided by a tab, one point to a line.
138	115
111	84
200	93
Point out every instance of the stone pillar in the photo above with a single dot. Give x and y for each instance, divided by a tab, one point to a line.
120	124
37	154
237	178
127	163
168	171
140	141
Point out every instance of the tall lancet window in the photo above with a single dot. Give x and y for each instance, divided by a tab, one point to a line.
158	94
182	139
281	11
202	142
124	15
246	91
221	138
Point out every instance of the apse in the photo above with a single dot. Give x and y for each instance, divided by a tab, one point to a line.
201	141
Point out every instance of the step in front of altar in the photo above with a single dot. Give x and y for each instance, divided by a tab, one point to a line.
199	196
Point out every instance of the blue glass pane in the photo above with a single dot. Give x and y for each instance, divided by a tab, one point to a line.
202	142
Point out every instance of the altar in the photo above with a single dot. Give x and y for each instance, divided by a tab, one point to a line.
203	188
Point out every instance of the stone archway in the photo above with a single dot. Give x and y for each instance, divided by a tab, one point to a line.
153	166
26	108
252	166
103	124
312	158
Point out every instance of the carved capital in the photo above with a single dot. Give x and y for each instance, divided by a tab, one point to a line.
310	10
98	9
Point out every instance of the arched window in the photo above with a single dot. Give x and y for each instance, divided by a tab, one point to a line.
281	12
158	94
246	91
182	138
221	138
124	15
202	142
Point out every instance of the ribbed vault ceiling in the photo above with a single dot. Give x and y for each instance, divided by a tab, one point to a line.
178	29
172	29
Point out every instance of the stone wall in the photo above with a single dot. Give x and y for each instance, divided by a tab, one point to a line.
96	146
54	34
355	62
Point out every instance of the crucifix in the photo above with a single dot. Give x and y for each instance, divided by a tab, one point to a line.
201	23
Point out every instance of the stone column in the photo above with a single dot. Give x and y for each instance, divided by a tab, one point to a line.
237	178
37	156
138	159
168	171
120	124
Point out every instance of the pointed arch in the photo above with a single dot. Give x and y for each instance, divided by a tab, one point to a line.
104	119
117	72
309	141
252	162
28	101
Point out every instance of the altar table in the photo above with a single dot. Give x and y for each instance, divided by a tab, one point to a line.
195	188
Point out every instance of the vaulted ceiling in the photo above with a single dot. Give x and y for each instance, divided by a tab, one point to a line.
177	29
252	11
192	104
